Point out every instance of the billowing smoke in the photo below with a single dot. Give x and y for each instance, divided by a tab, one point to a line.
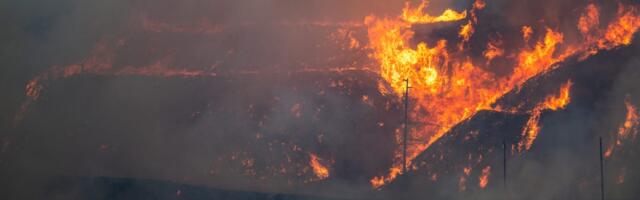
248	119
248	95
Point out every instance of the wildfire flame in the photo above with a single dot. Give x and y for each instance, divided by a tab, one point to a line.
589	21
440	75
621	31
493	51
417	15
484	178
466	31
100	61
553	102
526	33
321	171
628	129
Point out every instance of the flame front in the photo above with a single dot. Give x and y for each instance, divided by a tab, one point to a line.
559	101
553	102
448	87
621	31
631	122
417	15
484	178
628	129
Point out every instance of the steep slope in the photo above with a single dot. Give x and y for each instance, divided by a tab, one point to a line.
563	161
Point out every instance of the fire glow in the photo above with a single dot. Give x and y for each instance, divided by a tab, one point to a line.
631	122
627	130
319	170
440	75
484	178
554	102
448	85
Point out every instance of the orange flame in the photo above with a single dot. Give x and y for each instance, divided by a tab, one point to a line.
554	102
621	31
462	182
321	171
530	132
589	20
484	178
100	62
608	152
628	129
479	4
493	51
539	59
466	31
417	15
526	33
441	76
559	101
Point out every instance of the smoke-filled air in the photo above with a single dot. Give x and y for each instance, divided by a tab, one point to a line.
320	99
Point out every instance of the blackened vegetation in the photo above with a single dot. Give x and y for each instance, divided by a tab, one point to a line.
200	130
252	132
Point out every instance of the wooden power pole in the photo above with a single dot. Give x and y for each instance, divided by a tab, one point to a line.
601	171
504	162
406	126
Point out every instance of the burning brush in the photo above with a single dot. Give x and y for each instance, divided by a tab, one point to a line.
447	73
473	70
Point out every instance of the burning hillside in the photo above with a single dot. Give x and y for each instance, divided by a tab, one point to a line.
444	73
471	156
358	100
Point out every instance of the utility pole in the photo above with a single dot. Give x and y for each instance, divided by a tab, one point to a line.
504	162
601	171
406	126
